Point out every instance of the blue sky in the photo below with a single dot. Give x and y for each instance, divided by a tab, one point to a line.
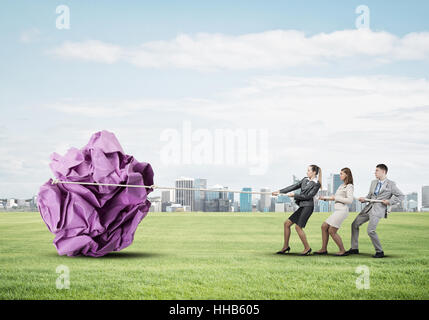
49	88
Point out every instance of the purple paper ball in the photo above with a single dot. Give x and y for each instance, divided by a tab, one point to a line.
93	220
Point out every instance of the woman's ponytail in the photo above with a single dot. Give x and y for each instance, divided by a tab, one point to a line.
318	171
319	177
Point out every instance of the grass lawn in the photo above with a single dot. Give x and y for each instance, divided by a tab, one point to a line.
217	256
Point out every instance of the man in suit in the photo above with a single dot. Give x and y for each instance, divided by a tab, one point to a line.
381	189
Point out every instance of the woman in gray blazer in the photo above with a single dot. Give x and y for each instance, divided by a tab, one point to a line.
305	199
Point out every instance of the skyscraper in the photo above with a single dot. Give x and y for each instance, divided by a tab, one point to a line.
216	200
246	200
282	198
231	197
425	198
411	202
199	196
265	201
334	182
166	196
215	194
322	206
185	197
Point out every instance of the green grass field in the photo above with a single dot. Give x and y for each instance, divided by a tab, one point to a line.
217	256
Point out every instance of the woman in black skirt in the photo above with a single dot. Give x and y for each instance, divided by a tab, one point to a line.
305	200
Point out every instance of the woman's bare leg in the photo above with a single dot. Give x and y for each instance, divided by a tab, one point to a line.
325	237
336	237
287	226
303	238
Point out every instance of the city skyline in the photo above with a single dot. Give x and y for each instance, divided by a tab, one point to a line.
269	203
189	198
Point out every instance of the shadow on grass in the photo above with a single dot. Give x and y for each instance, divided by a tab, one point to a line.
116	255
131	255
333	256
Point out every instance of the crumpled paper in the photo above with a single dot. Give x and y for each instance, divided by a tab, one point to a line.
95	220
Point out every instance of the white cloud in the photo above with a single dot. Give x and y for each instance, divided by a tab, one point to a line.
269	49
305	116
91	50
333	122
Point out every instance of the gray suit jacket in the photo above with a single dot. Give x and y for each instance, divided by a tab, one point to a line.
389	191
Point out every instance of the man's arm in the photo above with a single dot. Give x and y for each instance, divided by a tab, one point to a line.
292	187
310	195
397	195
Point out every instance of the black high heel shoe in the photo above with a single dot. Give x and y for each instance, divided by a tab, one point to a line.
306	253
320	253
342	254
284	251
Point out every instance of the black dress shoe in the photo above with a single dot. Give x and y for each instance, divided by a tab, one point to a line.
342	254
306	253
320	253
379	255
284	251
353	251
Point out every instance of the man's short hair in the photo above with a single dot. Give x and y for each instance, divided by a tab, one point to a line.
382	167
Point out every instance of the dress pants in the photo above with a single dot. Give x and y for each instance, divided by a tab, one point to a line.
372	225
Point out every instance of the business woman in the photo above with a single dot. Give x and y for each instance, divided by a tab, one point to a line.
305	199
343	196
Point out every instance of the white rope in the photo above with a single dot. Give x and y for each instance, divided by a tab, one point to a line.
55	181
372	200
366	200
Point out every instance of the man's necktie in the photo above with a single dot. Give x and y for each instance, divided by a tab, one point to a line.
377	188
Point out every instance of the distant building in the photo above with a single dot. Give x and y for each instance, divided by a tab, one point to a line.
425	198
164	206
411	202
282	198
185	197
236	206
166	196
215	194
321	205
265	200
217	205
156	206
175	207
199	196
272	204
231	197
279	207
334	182
3	203
246	200
11	204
